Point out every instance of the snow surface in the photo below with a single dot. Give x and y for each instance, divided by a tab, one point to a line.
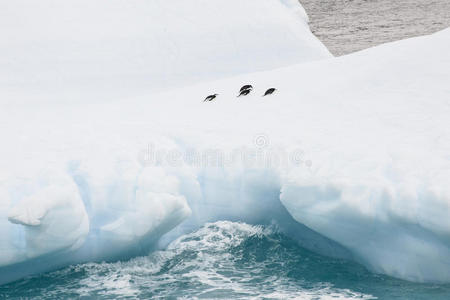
356	148
74	192
116	48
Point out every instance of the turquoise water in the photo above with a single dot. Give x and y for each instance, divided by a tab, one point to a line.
223	260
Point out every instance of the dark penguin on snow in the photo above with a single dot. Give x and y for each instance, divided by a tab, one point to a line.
269	92
210	98
246	87
244	92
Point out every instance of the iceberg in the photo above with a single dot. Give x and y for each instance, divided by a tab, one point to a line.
115	49
73	196
349	156
53	219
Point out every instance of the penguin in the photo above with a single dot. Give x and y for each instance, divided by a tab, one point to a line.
244	92
210	98
269	92
246	87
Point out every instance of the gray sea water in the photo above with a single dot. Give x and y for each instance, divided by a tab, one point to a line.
346	26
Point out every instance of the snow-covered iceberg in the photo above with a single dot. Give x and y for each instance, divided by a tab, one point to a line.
115	48
355	148
73	195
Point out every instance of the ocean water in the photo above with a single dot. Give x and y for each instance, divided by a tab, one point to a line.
346	26
223	260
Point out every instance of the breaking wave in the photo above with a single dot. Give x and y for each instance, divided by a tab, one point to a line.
223	260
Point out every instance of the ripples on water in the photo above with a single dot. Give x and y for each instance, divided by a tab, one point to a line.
223	260
346	26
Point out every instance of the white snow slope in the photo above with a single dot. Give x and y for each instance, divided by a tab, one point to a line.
356	148
114	48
